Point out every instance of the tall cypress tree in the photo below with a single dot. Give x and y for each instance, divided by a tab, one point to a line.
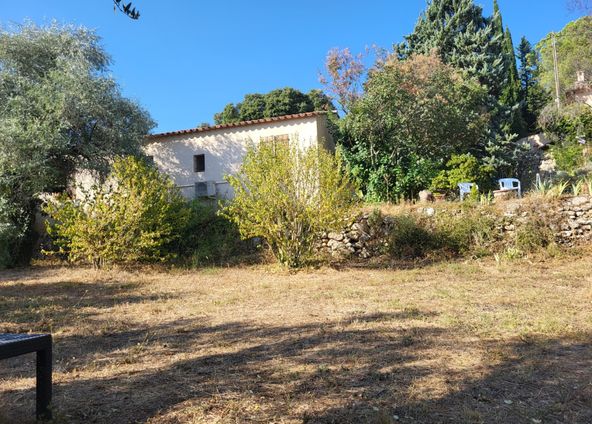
497	20
510	93
532	94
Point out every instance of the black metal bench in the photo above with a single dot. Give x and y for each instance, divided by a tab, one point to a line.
19	344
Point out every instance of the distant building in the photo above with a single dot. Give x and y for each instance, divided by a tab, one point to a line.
581	92
198	159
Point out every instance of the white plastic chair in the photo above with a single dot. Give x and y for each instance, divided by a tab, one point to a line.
465	188
511	184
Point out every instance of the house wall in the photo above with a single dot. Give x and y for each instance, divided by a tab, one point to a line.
224	150
324	135
580	95
586	98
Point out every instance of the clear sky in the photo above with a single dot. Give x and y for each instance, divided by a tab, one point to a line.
185	59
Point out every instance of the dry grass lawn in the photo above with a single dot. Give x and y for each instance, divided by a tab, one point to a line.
461	342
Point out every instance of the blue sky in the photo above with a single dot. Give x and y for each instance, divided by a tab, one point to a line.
184	60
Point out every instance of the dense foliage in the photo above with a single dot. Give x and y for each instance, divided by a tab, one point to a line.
482	49
413	115
285	101
137	215
288	197
13	232
574	51
61	111
461	169
209	237
570	129
463	38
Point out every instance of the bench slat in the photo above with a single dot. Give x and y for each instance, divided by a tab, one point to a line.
12	345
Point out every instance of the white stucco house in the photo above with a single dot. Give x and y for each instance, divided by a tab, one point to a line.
581	92
198	159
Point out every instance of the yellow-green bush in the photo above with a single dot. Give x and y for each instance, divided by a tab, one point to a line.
136	216
289	196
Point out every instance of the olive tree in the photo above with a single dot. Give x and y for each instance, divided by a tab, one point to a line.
60	111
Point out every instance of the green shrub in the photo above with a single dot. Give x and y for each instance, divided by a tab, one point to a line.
410	239
462	169
209	237
288	197
136	216
533	235
567	128
13	234
447	233
569	157
470	230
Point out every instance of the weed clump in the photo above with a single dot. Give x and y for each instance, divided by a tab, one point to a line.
448	233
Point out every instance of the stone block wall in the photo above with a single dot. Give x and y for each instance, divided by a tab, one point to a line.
575	224
569	218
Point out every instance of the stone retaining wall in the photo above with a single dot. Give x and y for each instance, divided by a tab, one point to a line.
570	219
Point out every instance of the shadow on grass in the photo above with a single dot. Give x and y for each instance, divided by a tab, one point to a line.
548	381
41	306
360	369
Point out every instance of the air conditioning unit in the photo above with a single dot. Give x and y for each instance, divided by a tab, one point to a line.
205	189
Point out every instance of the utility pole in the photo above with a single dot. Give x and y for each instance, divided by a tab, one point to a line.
556	70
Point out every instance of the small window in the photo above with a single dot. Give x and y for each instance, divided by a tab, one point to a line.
199	163
276	139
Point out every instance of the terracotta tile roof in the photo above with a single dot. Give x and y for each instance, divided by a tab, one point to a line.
238	124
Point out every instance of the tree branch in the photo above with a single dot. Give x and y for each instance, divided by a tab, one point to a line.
126	9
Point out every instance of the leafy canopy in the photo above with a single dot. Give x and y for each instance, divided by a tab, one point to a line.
574	53
463	37
481	48
413	114
284	101
59	111
463	168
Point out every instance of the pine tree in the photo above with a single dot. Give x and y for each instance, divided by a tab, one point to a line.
481	47
463	38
